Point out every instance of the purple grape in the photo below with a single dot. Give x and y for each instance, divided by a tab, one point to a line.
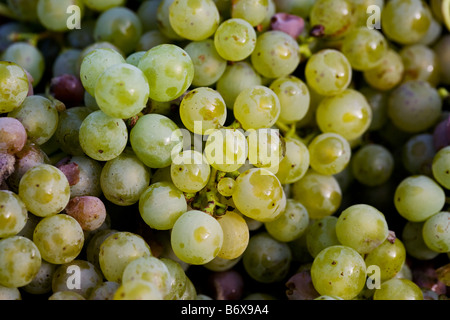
426	277
291	24
300	287
68	89
441	135
226	285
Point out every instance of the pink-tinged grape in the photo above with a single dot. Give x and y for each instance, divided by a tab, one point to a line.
335	16
390	256
339	271
13	135
441	167
90	212
295	163
372	165
441	134
190	171
291	24
387	74
59	238
436	232
300	287
253	11
14	214
13	86
321	234
53	14
236	235
398	289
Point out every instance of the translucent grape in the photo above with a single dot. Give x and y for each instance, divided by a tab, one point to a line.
90	212
335	16
295	163
13	215
196	237
441	167
372	165
398	289
387	74
89	177
436	232
13	135
53	15
266	149
13	85
137	290
253	11
226	186
236	235
421	63
412	237
66	295
339	271
321	234
42	282
103	5
190	171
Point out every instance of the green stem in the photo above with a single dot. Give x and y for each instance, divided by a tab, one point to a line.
305	50
443	92
446	12
288	131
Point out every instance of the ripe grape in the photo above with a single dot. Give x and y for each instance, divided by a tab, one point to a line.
253	11
398	289
441	167
388	73
335	16
53	15
190	171
436	232
295	163
13	135
321	234
372	165
13	215
236	235
13	84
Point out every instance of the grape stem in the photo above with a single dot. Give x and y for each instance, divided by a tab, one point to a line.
446	12
288	131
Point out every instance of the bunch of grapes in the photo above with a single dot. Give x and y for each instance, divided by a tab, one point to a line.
224	150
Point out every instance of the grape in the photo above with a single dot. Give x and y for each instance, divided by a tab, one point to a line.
226	285
154	139
28	57
177	279
90	212
196	237
328	72
104	291
163	20
53	14
265	149
13	135
335	16
235	39
89	177
257	107
151	39
78	39
275	55
118	250
135	57
442	49
236	235
219	264
59	238
418	153
398	289
348	114
295	163
361	10
300	8
67	132
405	21
13	86
203	109
124	178
415	246
66	62
103	137
209	66
267	260
436	232
321	234
20	261
320	194
259	195
441	167
42	282
66	295
94	243
441	134
372	165
13	215
329	153
169	70
25	10
190	171
421	63
68	89
226	186
103	5
253	11
95	63
339	271
120	26
137	290
291	224
161	204
300	287
387	74
147	12
195	21
237	77
191	292
8	30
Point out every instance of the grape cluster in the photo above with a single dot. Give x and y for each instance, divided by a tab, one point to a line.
224	150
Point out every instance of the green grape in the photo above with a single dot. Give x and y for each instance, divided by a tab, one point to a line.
169	70
177	278
89	177
377	100
364	48
149	269
418	153
104	291
59	238
103	5
13	86
203	109
418	197
362	227
361	11
259	195
103	137
226	149
321	234
433	33
348	114
190	171
67	133
39	117
328	72
253	11
191	292
267	260
209	66
14	214
257	107
147	13
28	57
339	271
226	186
45	190
163	20
326	297
236	235
135	57
24	10
93	246
54	16
121	27
294	98
390	256
66	295
161	175
320	194
151	39
336	16
405	21
194	20
265	149
275	55
137	290
95	63
10	293
295	163
421	63
235	39
20	261
442	49
329	153
388	73
300	8
196	237
154	139
372	165
161	204
237	77
436	232
122	91
219	264
89	278
118	250
412	237
291	224
441	167
398	289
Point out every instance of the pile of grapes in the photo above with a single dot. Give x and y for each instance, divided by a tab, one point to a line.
224	150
